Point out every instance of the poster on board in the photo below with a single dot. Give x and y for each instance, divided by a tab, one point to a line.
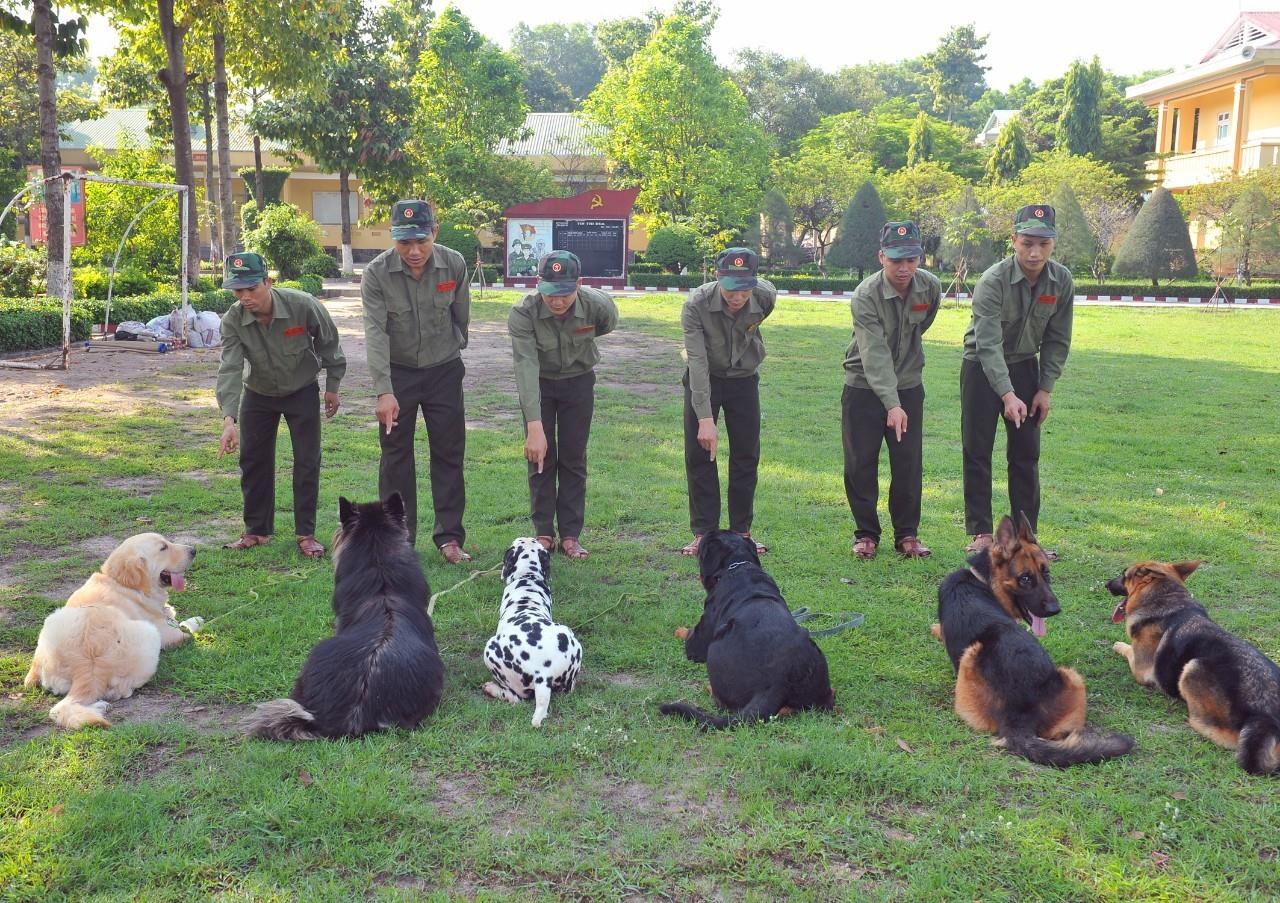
527	240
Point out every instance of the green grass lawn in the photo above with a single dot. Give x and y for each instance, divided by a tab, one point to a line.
890	798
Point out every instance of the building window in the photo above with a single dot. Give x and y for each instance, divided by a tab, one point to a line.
326	207
1173	131
1224	126
1195	128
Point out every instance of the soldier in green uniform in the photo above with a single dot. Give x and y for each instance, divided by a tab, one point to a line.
723	349
285	336
883	400
1022	307
553	340
417	307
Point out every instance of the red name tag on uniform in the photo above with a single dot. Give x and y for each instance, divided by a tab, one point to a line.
1047	299
447	286
294	330
916	308
581	329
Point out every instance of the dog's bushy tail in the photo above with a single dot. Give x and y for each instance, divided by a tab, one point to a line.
73	713
1085	746
281	719
1259	750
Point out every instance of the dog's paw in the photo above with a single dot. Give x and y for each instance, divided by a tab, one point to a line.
936	630
681	633
191	625
1123	648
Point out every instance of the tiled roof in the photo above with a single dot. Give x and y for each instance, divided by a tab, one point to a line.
1260	29
105	132
553	135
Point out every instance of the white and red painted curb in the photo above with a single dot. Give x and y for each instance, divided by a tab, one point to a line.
955	296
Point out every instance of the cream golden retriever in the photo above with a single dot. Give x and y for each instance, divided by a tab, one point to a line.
106	641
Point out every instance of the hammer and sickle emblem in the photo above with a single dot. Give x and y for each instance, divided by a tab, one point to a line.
596	201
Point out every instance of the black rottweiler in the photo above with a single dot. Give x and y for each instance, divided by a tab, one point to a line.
760	662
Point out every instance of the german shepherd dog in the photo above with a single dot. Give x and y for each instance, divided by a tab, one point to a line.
381	668
760	662
1231	689
1006	684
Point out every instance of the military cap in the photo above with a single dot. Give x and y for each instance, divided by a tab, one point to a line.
411	219
558	273
736	269
900	239
1038	220
244	270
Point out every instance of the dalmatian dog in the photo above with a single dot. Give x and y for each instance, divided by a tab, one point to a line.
530	655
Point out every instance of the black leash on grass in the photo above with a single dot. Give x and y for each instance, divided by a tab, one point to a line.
854	620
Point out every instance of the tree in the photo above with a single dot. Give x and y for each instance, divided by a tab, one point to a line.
954	71
1076	246
53	39
920	141
359	124
924	194
1249	237
1158	245
967	242
777	241
567	52
543	92
618	40
153	246
1080	127
675	125
1010	155
675	247
818	183
787	97
858	243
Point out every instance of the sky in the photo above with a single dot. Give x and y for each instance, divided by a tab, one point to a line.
1032	38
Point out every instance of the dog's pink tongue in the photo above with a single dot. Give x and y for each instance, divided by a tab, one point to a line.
1038	626
178	581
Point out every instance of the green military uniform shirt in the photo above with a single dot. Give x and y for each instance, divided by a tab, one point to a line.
1013	320
886	353
283	356
414	322
548	347
716	343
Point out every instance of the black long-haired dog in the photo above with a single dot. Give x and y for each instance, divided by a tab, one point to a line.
381	668
760	662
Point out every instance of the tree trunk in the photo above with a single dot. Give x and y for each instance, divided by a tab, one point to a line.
174	78
50	157
216	251
259	183
344	198
230	217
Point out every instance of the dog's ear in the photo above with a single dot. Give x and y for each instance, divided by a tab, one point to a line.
128	569
346	511
1006	535
1025	533
1185	568
544	558
509	562
394	506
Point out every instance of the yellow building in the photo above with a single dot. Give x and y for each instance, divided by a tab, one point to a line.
1221	115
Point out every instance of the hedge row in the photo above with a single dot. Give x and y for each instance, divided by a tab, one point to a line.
27	323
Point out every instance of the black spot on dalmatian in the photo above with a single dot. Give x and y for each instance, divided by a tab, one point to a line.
525	656
562	639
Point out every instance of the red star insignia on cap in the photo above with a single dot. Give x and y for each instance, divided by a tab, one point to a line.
737	261
1039	213
902	230
237	262
555	267
408	213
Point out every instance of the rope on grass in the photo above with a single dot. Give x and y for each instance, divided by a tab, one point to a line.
292	575
431	603
621	599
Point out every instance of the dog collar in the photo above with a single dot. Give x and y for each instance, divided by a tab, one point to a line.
736	564
980	578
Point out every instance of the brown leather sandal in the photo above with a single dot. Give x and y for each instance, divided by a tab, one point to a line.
453	552
247	541
572	549
912	547
309	547
981	542
547	542
761	548
864	547
692	548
